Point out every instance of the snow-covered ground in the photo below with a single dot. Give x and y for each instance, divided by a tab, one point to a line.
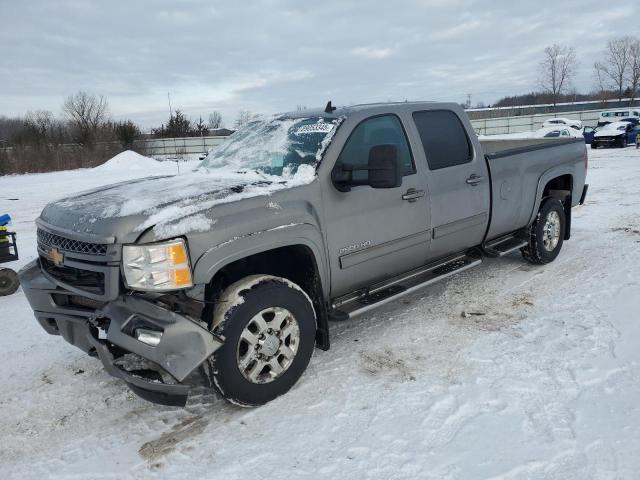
540	379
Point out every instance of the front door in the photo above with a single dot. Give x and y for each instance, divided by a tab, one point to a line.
458	182
375	233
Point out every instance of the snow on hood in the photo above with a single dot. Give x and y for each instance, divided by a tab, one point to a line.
265	156
612	129
176	205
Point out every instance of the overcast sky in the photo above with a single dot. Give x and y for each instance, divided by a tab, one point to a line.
269	56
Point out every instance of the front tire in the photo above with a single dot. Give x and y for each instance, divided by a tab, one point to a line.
269	328
546	234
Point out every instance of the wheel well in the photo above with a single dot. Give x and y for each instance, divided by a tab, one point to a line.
561	188
558	187
295	263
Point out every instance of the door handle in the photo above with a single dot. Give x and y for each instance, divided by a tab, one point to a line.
474	180
413	195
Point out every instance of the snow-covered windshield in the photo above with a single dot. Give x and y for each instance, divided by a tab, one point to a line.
276	146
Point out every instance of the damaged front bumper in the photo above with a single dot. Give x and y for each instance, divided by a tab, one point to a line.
157	373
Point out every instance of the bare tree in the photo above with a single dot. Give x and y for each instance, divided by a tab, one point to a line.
556	70
41	124
215	120
613	68
244	117
85	113
633	74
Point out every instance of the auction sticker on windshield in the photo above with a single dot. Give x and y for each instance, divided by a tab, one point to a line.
320	127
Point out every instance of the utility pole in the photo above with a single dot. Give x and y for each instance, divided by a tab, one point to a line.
175	146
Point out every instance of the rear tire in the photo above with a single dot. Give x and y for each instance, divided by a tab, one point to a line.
269	327
9	282
546	234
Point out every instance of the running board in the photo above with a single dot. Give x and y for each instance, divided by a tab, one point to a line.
379	294
503	246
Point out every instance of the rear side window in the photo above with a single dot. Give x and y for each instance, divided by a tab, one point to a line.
443	137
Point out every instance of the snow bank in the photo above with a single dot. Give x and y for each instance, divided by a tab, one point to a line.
128	160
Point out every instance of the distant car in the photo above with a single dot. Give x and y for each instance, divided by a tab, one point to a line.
569	122
616	134
558	131
610	116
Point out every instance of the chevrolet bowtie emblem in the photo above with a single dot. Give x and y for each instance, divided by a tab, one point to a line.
55	256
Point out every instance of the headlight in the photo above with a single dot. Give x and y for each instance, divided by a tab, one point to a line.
157	266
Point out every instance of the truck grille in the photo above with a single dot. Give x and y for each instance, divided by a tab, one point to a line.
48	240
89	281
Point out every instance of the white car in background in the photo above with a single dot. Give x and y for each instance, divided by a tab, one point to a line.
557	131
618	115
569	122
615	134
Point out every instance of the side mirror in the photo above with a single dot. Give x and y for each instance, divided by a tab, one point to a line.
385	169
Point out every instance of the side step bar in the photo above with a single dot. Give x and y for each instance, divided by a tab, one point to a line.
503	246
362	301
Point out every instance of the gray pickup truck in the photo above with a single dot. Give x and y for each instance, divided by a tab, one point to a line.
228	276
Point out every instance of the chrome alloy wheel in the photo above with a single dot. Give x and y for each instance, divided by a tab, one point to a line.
551	231
268	345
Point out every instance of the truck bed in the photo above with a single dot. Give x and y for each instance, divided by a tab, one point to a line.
494	148
515	167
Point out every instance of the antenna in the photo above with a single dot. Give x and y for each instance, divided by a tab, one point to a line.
329	108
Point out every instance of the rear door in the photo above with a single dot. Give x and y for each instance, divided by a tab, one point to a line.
372	233
458	182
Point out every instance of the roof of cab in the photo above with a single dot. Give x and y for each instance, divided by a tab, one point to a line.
344	111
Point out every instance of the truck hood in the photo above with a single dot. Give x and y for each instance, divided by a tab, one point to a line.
172	205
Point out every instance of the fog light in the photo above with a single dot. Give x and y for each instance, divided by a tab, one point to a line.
150	337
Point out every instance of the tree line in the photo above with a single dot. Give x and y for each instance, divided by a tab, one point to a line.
86	122
85	135
616	75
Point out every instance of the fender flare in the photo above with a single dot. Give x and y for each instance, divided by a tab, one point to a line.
546	177
305	234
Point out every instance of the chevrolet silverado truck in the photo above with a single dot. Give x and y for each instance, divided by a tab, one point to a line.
227	277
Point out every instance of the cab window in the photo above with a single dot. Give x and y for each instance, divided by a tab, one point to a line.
381	130
444	138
